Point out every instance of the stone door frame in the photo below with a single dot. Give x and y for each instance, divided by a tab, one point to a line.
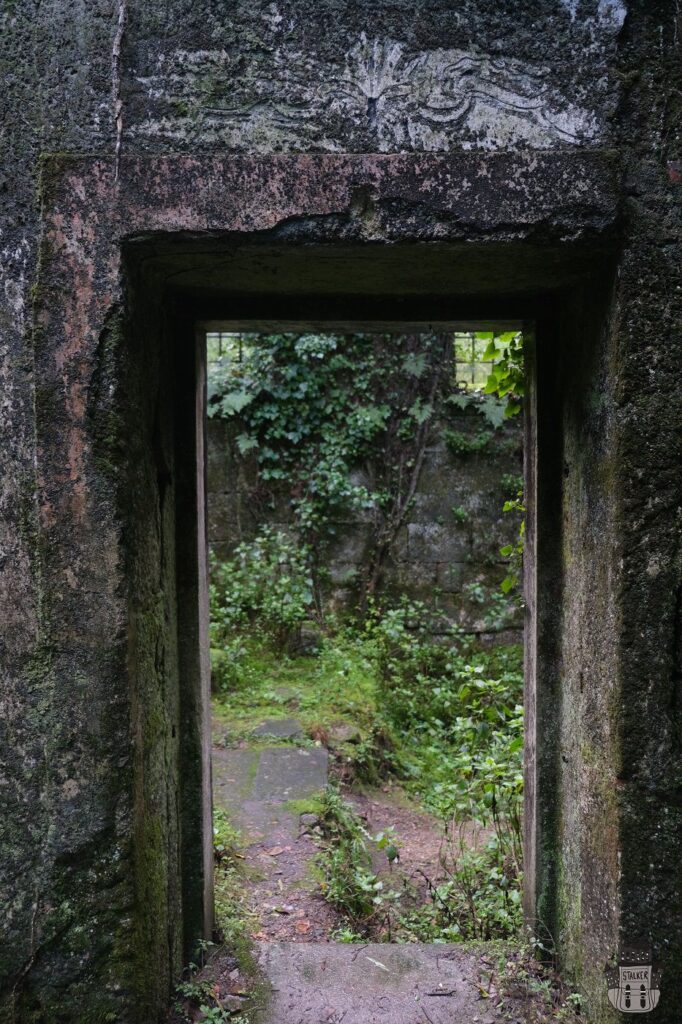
106	226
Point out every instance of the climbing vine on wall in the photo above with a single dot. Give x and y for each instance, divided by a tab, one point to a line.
340	424
506	381
506	376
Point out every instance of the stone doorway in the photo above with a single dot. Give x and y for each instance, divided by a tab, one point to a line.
403	241
310	756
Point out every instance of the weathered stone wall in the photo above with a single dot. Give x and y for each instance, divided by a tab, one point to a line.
641	374
447	553
524	128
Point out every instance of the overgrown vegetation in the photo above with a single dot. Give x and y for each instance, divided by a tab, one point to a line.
265	591
311	412
231	919
350	883
444	718
396	692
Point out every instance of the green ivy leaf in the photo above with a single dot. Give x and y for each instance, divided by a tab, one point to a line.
414	363
246	443
420	411
234	401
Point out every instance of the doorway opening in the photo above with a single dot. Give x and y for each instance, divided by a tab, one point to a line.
365	526
305	291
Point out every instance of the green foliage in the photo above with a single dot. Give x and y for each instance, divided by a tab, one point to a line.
466	444
196	990
490	407
350	883
478	898
337	684
506	378
233	921
266	587
377	756
497	605
444	715
198	994
458	715
226	838
533	990
215	1015
310	408
481	896
231	668
445	718
511	484
461	709
514	552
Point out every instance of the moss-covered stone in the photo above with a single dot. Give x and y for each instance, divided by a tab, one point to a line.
103	853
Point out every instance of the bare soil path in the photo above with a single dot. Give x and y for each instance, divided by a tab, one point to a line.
267	791
418	836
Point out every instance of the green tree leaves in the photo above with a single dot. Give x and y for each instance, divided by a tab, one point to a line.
506	378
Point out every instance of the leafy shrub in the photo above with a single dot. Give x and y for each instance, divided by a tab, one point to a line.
313	410
481	896
461	709
466	444
306	406
446	717
351	884
514	552
226	838
376	757
233	665
265	589
232	918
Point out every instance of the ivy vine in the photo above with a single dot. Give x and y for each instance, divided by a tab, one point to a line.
342	423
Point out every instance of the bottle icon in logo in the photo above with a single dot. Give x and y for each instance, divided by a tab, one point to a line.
634	985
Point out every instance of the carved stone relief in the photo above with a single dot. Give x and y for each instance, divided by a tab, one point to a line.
380	96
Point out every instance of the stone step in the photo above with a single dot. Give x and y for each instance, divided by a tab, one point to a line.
341	983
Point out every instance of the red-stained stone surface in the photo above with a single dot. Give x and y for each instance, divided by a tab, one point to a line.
530	156
111	476
115	407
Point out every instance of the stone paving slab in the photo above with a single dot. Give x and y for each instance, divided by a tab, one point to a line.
290	773
254	785
339	983
282	728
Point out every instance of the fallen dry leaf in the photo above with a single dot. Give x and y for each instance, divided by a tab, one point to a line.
303	927
275	851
